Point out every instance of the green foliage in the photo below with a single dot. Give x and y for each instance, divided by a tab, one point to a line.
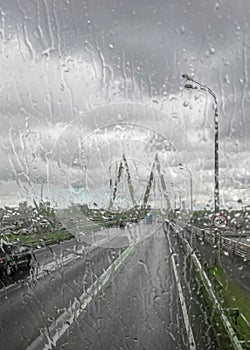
45	238
232	296
108	218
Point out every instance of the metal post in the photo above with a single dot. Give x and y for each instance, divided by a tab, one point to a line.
191	190
216	179
216	160
196	85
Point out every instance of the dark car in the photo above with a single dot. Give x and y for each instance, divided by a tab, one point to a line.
135	220
121	223
14	257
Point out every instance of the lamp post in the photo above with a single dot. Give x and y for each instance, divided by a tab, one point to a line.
193	84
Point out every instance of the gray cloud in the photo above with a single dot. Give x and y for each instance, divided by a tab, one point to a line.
63	59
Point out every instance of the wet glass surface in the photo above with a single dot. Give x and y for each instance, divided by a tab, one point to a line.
124	174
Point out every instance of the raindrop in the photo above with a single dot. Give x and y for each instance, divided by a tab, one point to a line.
212	51
182	29
119	117
111	46
185	103
217	6
226	79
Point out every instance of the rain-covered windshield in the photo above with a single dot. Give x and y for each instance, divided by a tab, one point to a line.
124	174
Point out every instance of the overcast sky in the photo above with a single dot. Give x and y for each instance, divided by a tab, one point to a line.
82	82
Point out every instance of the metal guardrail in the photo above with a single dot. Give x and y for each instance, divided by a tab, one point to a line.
237	248
209	288
229	244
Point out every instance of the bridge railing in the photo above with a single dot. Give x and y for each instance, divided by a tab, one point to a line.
237	248
229	244
217	306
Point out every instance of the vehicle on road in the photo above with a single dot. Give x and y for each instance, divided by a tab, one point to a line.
149	218
159	219
14	257
121	223
135	220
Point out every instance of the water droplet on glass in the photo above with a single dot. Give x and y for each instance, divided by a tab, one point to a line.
217	6
182	29
226	79
212	51
119	117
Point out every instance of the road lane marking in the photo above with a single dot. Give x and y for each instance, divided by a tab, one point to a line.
52	334
191	341
42	270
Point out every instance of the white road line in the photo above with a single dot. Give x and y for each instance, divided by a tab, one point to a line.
52	334
58	263
191	341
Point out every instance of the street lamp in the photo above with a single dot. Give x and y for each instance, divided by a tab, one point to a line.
193	84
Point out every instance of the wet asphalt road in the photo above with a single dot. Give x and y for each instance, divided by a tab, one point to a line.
33	303
138	307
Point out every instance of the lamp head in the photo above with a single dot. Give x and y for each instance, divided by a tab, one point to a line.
187	77
190	86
